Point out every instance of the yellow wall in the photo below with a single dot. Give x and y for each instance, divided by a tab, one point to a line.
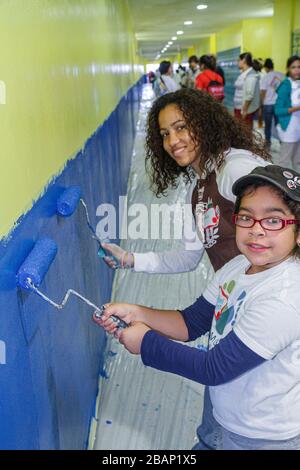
296	23
213	43
253	35
230	37
65	65
257	37
203	46
282	31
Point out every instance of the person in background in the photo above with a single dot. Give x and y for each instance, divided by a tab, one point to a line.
287	110
269	83
191	74
251	309
208	80
180	76
165	83
182	141
217	68
246	98
152	78
258	67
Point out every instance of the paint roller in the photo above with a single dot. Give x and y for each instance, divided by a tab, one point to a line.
66	206
34	269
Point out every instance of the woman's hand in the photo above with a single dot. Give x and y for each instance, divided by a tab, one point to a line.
122	259
127	312
132	337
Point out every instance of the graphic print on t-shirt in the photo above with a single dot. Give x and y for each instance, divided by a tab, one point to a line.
225	312
208	218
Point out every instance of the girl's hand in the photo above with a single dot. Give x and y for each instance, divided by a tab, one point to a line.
132	337
127	312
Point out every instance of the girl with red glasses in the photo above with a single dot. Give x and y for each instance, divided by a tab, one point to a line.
251	309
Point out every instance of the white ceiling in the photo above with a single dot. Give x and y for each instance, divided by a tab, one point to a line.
156	21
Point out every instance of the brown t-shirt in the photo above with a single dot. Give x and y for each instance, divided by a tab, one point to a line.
213	217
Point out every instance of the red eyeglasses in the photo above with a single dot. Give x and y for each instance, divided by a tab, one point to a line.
269	223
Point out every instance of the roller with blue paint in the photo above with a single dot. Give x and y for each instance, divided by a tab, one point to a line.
34	269
66	206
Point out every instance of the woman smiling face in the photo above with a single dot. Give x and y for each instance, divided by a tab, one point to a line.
176	137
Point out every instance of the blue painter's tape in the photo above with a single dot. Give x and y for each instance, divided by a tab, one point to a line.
37	263
68	201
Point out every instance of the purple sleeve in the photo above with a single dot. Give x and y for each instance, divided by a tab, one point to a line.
225	362
198	317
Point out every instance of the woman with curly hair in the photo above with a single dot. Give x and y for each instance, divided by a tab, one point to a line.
191	134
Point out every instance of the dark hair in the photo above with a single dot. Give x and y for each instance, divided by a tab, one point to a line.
213	129
164	66
207	62
292	59
193	58
293	206
257	66
269	64
247	56
213	60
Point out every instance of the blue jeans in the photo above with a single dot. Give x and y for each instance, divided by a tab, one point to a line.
232	441
209	432
268	114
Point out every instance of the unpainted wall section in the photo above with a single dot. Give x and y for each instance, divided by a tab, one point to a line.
65	64
282	32
257	37
230	38
296	24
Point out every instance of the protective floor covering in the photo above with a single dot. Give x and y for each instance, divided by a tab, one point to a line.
139	407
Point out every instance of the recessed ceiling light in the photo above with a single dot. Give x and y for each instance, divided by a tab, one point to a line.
179	32
188	23
170	42
174	38
201	7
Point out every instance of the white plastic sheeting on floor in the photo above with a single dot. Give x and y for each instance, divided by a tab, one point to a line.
139	407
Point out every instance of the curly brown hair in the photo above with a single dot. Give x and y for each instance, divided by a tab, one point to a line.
213	129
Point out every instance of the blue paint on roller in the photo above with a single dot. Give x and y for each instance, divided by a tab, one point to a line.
37	263
68	201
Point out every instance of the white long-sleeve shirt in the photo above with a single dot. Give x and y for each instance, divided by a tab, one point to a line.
237	163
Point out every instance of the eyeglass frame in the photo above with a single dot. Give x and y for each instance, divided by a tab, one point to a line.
284	222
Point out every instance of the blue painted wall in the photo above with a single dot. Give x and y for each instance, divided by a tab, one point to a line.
50	359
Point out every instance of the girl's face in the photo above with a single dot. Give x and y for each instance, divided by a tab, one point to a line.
294	70
242	65
176	138
263	248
